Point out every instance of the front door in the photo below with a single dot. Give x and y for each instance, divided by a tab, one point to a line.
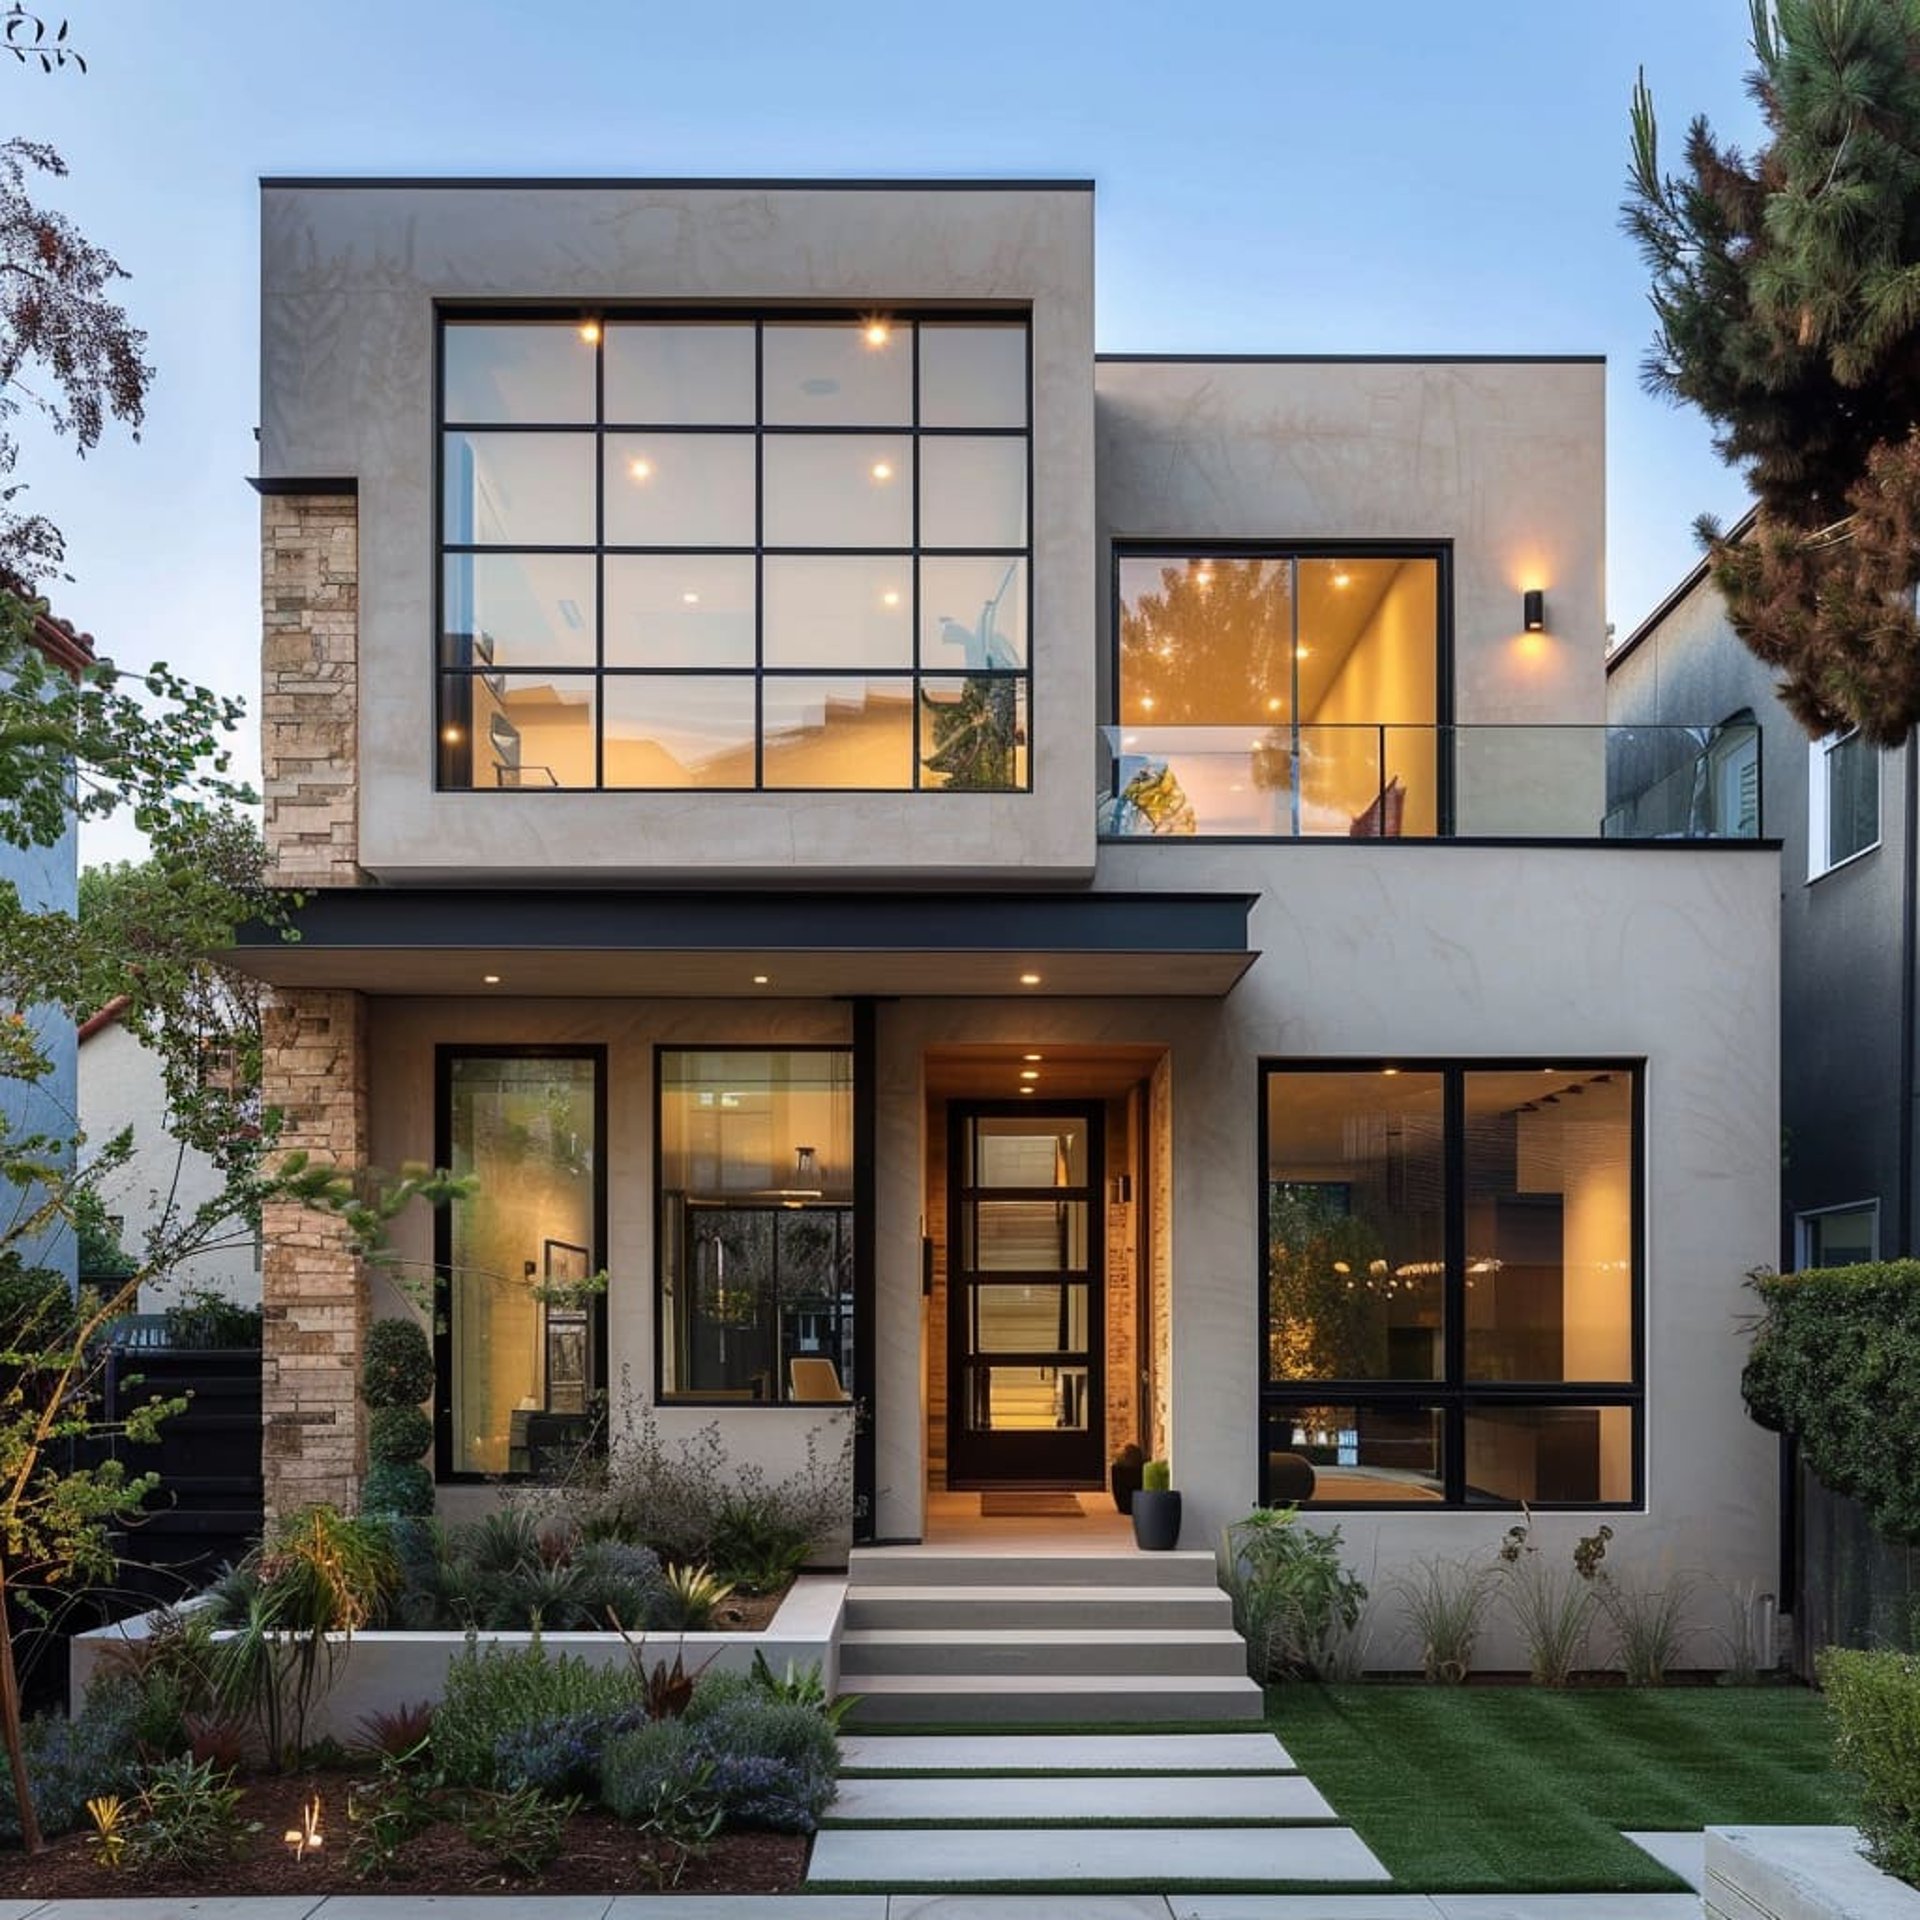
1025	1386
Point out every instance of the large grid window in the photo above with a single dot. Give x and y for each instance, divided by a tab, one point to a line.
731	553
1451	1301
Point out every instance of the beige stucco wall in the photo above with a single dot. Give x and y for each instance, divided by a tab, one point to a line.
350	276
1505	458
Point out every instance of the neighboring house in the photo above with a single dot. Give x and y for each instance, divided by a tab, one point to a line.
48	881
1844	814
123	1084
1083	899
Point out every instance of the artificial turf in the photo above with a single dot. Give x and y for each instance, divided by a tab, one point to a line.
1496	1789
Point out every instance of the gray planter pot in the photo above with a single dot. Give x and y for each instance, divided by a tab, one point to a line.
1156	1521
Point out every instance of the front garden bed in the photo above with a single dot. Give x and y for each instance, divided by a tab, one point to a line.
600	1853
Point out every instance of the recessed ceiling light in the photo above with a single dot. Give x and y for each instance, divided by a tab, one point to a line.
1204	577
1274	705
1029	1073
451	735
882	470
490	979
1343	579
1389	1071
1026	1089
1029	979
1300	653
692	599
590	332
877	333
641	469
890	598
1033	1056
1146	700
759	979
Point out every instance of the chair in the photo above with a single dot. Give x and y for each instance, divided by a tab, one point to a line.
813	1380
1380	818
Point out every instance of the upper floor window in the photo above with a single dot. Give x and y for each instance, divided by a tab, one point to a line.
782	552
1281	693
1843	801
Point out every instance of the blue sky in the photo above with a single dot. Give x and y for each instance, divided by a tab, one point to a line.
1275	177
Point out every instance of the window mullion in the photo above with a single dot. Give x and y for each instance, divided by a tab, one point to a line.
1453	1149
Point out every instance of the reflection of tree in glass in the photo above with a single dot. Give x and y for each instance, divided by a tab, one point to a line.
976	738
807	1264
1212	648
1324	1322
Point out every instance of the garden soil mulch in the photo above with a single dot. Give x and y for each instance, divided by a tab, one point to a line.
601	1854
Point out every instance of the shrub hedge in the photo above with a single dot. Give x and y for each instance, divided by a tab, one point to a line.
1836	1361
1875	1702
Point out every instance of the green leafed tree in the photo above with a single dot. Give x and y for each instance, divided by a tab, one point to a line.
1786	294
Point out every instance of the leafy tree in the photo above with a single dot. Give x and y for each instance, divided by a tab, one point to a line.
1786	291
1213	646
977	737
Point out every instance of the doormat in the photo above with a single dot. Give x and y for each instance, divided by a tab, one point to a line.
1030	1506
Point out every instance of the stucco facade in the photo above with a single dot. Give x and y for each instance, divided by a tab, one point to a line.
1505	931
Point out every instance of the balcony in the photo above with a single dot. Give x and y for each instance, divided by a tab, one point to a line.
1351	782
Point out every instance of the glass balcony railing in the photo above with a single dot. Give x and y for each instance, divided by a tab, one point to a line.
1413	782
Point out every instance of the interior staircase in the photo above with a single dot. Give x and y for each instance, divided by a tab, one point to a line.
936	1634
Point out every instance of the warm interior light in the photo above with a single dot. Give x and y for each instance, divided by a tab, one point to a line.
759	979
1029	979
1029	1073
1033	1056
590	332
1533	610
1130	740
1146	700
1275	704
641	469
1026	1089
1343	579
882	470
1301	653
877	333
691	599
890	598
451	735
490	979
1203	577
1389	1071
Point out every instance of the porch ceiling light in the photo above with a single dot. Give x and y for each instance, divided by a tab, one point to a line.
1029	979
1029	1073
1033	1056
489	979
1533	610
759	979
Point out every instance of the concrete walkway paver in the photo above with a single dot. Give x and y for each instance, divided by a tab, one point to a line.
1170	1752
899	1856
1684	1854
1131	1796
1567	1906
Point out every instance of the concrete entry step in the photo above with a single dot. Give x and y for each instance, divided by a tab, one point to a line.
1164	1799
1037	1651
1162	1753
1064	1856
872	1567
1032	1606
1015	1699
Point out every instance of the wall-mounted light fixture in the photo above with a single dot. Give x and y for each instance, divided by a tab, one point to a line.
1533	610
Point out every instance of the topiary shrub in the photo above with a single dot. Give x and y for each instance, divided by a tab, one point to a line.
397	1486
397	1367
398	1434
1836	1361
1875	1702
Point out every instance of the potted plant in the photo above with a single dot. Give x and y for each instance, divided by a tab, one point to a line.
1127	1465
1156	1510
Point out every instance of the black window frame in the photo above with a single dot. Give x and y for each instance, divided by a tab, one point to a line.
914	676
1439	551
445	1053
1454	1395
856	1389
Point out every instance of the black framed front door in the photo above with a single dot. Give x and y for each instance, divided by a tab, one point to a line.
1025	1321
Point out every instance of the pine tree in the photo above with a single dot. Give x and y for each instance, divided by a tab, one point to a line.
1786	290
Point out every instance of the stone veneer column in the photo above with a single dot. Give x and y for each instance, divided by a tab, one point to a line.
310	692
312	1287
314	1064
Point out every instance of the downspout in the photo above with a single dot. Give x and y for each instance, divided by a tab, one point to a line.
1909	890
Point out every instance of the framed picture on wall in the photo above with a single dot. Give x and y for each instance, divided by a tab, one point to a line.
566	1264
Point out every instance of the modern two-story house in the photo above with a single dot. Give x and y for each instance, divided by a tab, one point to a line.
1069	899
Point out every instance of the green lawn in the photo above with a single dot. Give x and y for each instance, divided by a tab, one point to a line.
1494	1789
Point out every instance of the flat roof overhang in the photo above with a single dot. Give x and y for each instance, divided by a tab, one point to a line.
695	945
